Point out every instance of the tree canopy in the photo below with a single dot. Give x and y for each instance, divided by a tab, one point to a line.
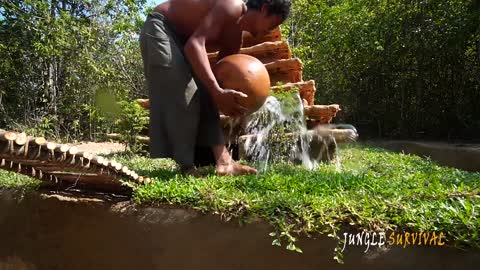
397	68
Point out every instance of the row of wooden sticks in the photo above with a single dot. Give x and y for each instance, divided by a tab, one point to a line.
50	161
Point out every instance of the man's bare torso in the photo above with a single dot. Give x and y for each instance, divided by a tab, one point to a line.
186	16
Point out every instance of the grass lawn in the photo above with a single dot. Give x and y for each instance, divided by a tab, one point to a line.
373	189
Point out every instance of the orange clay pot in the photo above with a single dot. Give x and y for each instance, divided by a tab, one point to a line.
246	74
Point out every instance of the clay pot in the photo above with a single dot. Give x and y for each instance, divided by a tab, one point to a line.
247	74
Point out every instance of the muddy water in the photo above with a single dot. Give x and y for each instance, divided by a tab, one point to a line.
47	231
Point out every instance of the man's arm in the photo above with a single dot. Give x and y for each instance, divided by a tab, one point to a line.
210	29
223	14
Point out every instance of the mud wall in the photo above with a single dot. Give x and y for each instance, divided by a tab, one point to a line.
45	231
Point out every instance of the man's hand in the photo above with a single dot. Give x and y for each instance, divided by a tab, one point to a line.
227	102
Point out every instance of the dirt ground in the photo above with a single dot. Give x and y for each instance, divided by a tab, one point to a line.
100	148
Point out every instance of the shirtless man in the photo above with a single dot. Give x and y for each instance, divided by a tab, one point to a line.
185	97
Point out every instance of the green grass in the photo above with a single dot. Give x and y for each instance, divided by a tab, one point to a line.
373	189
17	181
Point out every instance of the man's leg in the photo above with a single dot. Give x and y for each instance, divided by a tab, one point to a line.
226	165
174	103
211	135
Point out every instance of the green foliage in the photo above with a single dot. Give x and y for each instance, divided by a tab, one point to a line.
56	56
398	68
130	122
373	189
14	180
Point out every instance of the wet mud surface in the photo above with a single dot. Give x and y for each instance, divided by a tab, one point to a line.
52	231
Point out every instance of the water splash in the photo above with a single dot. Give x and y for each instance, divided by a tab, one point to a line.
260	124
279	134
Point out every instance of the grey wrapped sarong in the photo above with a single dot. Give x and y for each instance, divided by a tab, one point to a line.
182	113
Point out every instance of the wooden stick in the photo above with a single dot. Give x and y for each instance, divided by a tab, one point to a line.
340	135
31	149
59	153
285	71
266	52
51	145
24	169
118	166
7	135
306	89
21	139
144	103
62	148
73	150
284	65
322	111
49	161
105	162
249	40
116	136
39	141
98	160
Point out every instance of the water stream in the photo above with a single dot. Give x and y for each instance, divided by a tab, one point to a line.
279	134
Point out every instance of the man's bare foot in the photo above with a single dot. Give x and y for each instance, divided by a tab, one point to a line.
234	168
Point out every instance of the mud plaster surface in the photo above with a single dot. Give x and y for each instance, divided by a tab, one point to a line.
44	231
